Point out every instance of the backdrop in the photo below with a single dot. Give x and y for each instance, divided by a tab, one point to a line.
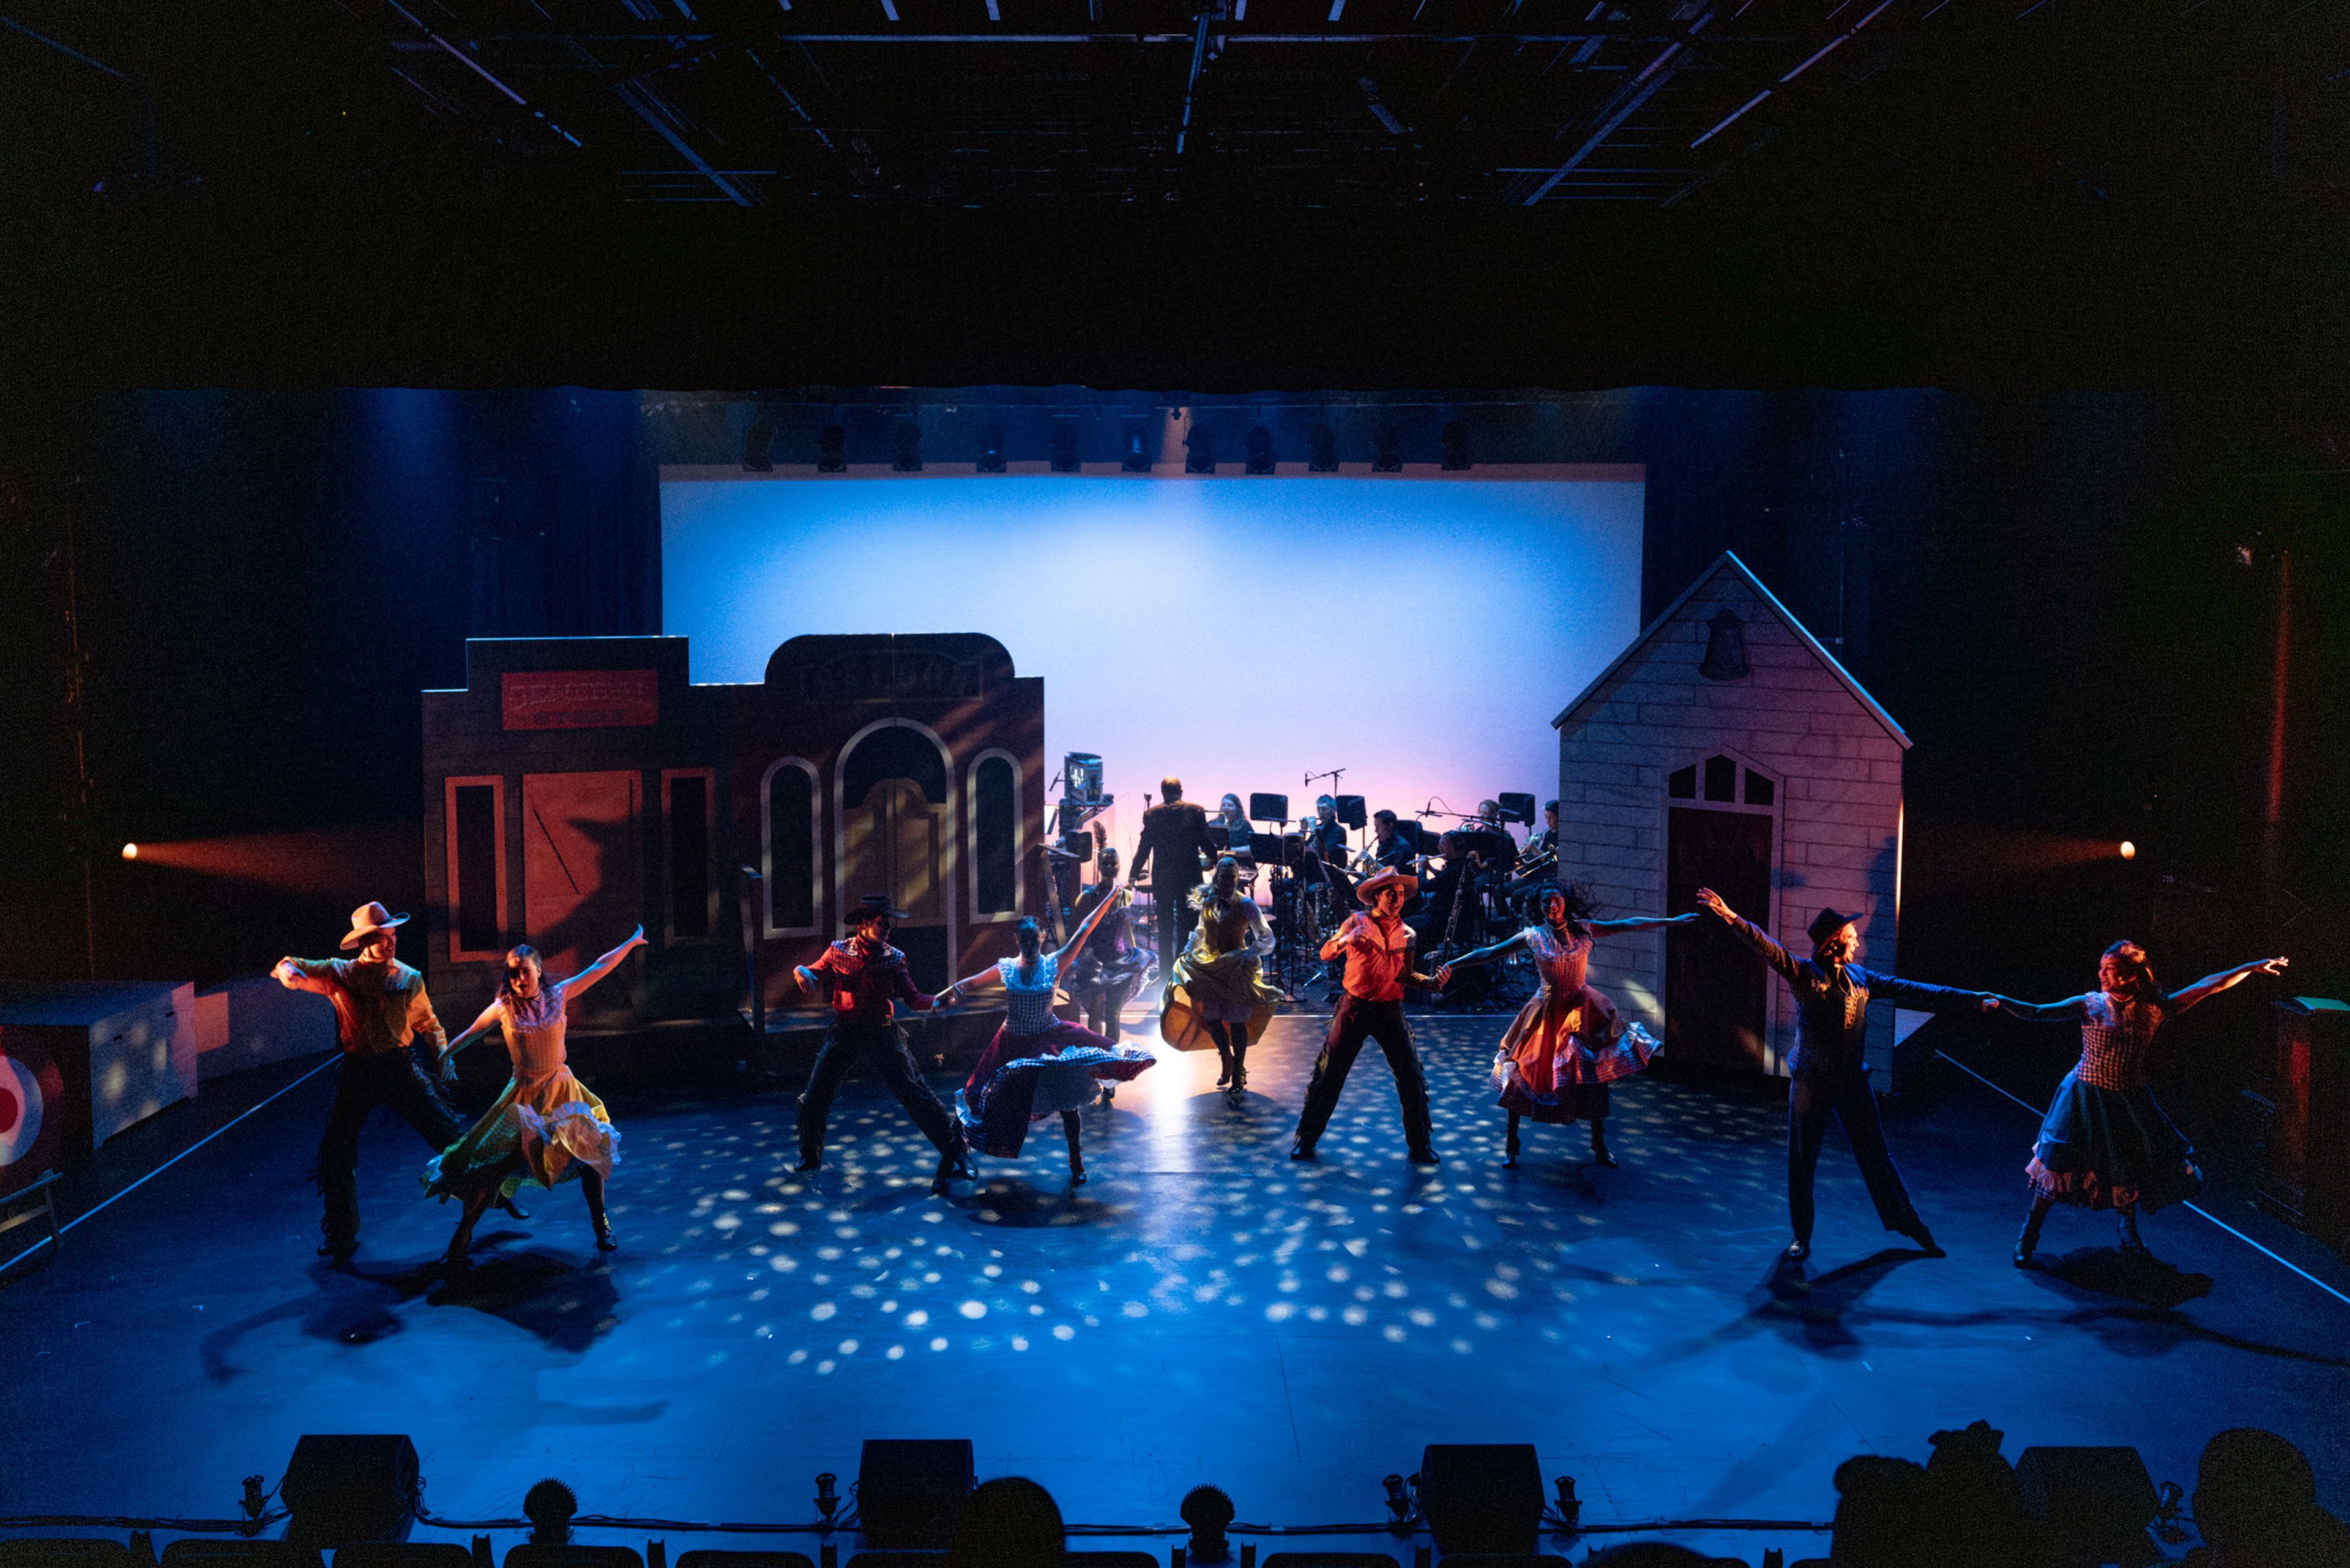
1239	633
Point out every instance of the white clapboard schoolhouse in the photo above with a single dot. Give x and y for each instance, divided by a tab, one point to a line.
1727	748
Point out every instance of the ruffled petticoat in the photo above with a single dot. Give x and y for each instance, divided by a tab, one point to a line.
2111	1148
1562	1051
547	1131
1023	1078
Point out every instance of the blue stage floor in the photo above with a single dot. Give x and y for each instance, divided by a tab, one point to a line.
1203	1310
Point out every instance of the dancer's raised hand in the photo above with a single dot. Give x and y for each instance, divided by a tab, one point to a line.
1713	904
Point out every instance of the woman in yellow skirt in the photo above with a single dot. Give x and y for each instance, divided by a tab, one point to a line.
548	1127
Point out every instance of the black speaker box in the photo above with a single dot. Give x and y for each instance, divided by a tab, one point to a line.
1515	807
1269	808
341	1489
1350	810
1481	1497
911	1491
2096	1501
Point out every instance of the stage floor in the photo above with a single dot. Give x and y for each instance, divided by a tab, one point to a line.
1203	1310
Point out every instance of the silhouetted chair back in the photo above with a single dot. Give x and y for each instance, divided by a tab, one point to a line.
199	1552
1329	1560
527	1555
1110	1560
403	1554
65	1551
899	1560
1496	1560
709	1557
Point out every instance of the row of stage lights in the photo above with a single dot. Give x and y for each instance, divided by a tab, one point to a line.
1134	455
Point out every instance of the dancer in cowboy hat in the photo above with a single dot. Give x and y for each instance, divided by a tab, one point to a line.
1378	950
380	1007
867	978
1827	1075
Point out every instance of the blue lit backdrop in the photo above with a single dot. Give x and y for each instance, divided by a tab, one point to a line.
1236	632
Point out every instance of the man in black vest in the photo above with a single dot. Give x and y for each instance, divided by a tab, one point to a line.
1827	1075
1174	846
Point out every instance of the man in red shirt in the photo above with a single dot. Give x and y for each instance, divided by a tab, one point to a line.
1378	950
867	979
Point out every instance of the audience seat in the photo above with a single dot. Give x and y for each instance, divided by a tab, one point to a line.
403	1554
528	1555
1327	1560
711	1557
205	1552
65	1551
1110	1560
899	1560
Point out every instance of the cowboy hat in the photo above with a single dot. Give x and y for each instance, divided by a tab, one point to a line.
1826	923
368	920
1370	888
873	904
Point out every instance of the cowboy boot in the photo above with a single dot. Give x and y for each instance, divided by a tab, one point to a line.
1510	1143
1599	1154
1223	1065
2028	1242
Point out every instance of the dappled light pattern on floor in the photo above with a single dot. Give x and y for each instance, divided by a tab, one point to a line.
1202	1309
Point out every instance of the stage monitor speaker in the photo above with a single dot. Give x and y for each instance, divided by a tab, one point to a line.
341	1489
911	1492
1269	808
2095	1501
1517	807
1482	1497
1350	811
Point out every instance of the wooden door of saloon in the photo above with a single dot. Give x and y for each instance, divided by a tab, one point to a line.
1716	996
894	842
582	871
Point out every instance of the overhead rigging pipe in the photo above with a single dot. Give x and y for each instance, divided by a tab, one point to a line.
1210	13
147	161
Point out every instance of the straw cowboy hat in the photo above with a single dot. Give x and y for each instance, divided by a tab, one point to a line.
1369	888
368	920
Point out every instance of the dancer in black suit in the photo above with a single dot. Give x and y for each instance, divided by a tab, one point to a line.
1174	849
1827	1075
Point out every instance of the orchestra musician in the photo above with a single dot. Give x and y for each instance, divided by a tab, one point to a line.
1175	851
1235	823
1388	849
1546	841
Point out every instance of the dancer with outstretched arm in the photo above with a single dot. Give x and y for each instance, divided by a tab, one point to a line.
1104	974
548	1127
868	980
2106	1143
380	1007
1828	1076
1377	948
1568	1042
1037	1064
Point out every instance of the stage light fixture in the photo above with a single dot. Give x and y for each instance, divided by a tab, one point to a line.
1199	448
131	852
1456	446
1064	446
1132	457
1322	450
1260	449
759	446
1387	450
990	449
908	438
832	449
2130	850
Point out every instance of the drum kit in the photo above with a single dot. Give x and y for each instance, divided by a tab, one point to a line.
1311	895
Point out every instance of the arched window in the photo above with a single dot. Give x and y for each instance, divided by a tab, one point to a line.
995	835
788	846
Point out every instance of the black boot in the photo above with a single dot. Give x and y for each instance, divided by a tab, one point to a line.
2028	1242
1509	1142
2132	1245
1077	1158
1223	1066
1599	1154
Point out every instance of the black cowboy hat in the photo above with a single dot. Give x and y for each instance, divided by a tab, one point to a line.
873	904
1826	923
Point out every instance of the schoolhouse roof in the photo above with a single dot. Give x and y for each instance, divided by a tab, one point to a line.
1729	562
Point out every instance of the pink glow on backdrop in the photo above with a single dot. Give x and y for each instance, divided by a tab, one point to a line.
1236	632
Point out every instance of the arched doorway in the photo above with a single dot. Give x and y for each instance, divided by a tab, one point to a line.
895	816
1722	819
